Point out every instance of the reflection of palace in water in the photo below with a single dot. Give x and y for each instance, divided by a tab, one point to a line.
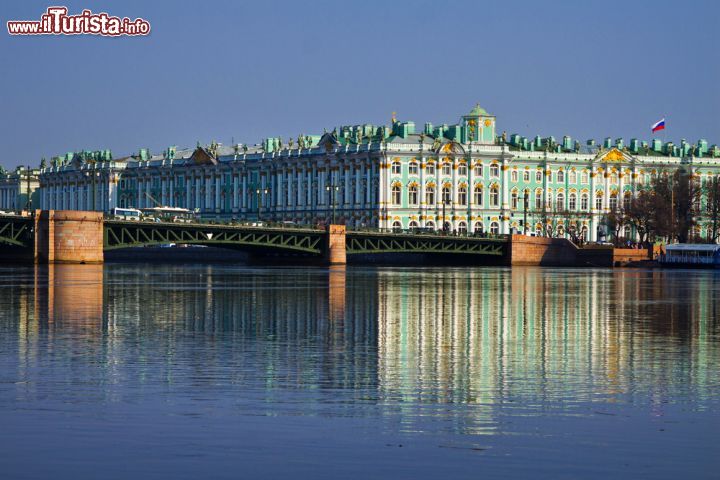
481	337
445	336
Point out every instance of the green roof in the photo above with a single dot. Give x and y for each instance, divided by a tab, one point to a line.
477	111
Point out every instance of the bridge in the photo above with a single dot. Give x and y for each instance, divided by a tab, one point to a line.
82	237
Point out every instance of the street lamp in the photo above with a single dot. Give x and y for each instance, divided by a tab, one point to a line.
445	225
259	202
525	207
28	203
332	189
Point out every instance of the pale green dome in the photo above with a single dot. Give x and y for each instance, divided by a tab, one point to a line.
477	111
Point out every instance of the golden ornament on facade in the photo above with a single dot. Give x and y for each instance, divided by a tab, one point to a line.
488	122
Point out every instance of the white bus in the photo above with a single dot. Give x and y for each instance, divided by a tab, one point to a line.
126	214
168	214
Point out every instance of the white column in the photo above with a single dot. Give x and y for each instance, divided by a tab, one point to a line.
189	199
218	185
346	194
234	190
504	192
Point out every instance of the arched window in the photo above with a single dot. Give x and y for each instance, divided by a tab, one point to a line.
613	201
477	195
397	225
572	201
430	224
413	224
494	196
561	231
584	177
572	176
627	201
396	195
627	232
514	200
561	176
538	176
560	202
526	176
494	170
446	196
538	199
430	168
514	176
413	168
584	202
478	228
478	170
494	228
413	195
462	169
396	168
462	228
430	195
446	168
462	195
598	201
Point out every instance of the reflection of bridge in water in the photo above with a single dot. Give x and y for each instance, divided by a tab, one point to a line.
436	337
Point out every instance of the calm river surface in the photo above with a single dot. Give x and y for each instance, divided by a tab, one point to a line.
196	371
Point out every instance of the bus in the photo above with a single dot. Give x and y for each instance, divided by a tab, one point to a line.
168	214
126	214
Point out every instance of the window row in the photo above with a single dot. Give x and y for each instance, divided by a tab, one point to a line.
445	196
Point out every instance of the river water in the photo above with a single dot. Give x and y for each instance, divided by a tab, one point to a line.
214	371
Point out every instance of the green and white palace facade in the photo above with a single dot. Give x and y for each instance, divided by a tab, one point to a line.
462	177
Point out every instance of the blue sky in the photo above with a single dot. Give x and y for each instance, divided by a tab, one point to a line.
223	70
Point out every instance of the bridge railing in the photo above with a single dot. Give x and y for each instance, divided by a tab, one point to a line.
426	232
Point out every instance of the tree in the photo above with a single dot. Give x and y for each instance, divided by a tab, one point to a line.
686	198
675	202
642	215
712	197
616	221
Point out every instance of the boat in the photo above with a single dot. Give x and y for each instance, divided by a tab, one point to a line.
691	255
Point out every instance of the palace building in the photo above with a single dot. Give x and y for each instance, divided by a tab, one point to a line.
461	177
19	189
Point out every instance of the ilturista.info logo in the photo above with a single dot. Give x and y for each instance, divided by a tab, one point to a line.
56	21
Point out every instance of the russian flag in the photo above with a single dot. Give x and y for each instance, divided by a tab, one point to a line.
658	126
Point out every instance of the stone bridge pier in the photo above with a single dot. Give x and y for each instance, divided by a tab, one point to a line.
335	250
68	236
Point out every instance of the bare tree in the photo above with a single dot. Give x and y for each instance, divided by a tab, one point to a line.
712	197
642	215
676	197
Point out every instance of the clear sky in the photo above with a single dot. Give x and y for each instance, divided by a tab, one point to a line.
244	70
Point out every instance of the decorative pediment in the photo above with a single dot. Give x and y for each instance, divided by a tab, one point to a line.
202	156
451	148
328	141
614	155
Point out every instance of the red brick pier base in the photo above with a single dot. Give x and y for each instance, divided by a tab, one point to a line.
68	236
335	253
